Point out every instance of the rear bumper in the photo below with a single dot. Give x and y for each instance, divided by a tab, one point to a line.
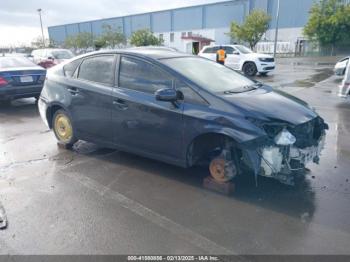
42	106
14	92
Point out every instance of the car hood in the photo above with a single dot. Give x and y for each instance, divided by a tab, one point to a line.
257	55
268	105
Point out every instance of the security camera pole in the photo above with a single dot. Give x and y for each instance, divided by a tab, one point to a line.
276	30
41	24
344	88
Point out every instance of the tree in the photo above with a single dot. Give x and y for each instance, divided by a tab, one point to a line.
144	37
84	40
329	23
71	42
38	43
253	28
111	37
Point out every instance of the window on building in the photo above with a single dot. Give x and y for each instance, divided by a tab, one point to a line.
97	69
171	37
189	33
142	76
183	34
161	36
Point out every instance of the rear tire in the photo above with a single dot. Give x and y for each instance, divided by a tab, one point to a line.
63	129
249	69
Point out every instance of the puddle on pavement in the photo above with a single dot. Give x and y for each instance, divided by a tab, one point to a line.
321	75
86	148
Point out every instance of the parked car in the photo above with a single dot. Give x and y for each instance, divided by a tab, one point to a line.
155	47
340	67
20	78
242	58
49	57
183	110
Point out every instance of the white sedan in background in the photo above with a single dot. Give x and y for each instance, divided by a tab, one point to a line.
242	58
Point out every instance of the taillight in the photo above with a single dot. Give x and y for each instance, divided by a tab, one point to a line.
3	81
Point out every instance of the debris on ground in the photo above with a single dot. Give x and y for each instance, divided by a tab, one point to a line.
3	218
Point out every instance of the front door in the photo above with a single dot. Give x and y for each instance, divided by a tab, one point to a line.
141	123
233	57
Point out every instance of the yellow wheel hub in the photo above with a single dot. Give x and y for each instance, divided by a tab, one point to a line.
63	128
218	171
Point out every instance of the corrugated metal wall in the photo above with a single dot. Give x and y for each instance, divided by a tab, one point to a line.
293	13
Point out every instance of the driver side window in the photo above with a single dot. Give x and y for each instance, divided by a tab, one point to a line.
142	76
229	50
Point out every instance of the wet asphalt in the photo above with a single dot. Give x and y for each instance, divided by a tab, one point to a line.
95	200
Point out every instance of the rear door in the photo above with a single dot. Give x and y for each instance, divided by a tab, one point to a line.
90	91
210	52
140	122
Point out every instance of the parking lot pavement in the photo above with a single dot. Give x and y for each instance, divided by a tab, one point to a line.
99	201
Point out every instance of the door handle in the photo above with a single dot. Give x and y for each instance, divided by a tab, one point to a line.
119	103
73	90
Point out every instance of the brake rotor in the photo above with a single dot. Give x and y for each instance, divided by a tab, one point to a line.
221	170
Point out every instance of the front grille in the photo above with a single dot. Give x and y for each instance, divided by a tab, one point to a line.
269	68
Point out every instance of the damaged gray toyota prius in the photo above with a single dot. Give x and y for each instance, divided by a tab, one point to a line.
183	110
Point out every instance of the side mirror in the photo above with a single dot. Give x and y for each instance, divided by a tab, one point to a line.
166	95
236	53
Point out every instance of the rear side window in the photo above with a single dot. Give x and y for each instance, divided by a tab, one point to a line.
97	69
70	68
211	50
142	76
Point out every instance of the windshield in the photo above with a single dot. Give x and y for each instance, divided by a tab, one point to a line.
243	49
208	74
64	54
6	62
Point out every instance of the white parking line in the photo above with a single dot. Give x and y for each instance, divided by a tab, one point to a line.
161	221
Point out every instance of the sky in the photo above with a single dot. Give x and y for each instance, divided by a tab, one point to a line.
19	19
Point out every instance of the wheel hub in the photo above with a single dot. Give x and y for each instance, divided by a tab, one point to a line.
63	128
221	170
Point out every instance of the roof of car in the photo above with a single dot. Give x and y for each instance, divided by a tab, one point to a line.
146	52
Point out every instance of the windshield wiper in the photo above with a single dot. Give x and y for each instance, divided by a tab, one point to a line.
243	89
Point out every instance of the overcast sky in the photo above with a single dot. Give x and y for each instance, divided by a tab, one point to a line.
19	20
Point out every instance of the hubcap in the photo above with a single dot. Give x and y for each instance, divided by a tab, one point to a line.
250	69
63	128
217	170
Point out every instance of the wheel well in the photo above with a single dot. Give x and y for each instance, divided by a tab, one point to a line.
246	62
50	113
206	146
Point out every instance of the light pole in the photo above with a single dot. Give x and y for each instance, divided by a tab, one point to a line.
41	24
276	30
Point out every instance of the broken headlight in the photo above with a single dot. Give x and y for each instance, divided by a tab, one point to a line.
285	138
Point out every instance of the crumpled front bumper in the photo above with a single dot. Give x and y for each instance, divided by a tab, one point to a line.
279	161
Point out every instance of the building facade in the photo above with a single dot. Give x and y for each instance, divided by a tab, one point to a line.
190	28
